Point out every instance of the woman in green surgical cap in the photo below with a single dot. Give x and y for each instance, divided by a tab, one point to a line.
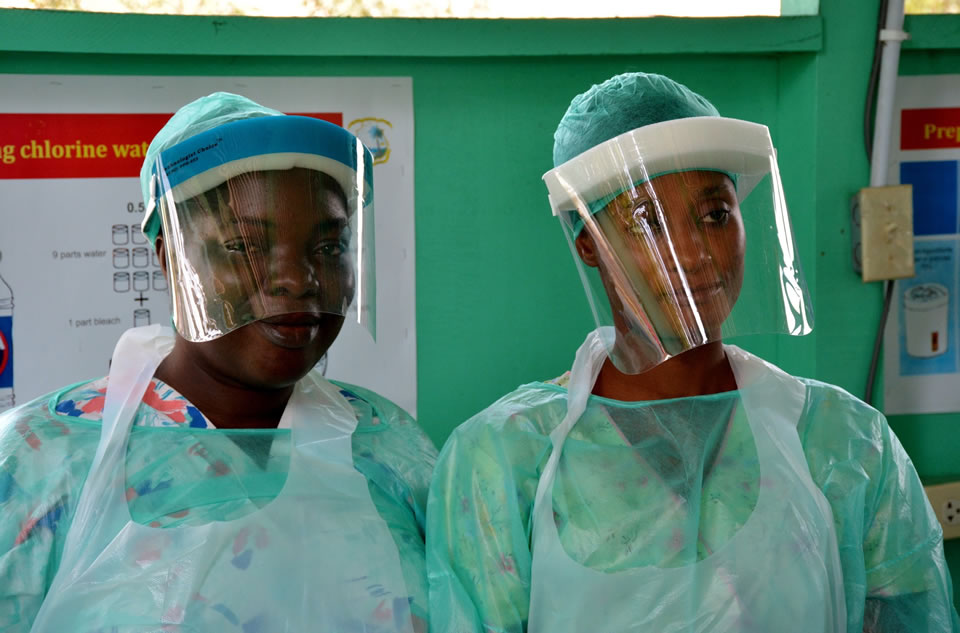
669	481
215	481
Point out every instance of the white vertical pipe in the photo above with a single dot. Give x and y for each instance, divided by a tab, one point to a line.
889	67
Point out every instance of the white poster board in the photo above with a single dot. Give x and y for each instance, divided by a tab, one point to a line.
922	351
78	268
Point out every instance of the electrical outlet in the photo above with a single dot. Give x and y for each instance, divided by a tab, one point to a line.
885	219
951	512
945	499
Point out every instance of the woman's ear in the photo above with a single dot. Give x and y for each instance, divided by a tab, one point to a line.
587	249
162	256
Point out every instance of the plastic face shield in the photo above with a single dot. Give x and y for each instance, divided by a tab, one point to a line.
263	218
681	235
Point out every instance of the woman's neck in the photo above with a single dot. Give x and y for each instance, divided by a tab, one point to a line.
227	404
700	371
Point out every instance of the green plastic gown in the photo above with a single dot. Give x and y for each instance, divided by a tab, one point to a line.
182	475
666	484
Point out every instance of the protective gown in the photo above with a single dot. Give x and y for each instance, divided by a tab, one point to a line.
657	487
182	472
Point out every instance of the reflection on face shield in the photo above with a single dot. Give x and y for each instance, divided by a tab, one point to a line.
659	218
263	217
680	241
269	243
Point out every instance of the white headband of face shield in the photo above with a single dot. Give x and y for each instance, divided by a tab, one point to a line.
711	143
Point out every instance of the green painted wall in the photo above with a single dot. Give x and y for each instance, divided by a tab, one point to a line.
498	299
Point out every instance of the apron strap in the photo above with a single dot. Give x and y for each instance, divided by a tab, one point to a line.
135	359
586	367
767	391
321	420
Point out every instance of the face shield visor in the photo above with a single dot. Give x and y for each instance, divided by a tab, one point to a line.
681	235
266	218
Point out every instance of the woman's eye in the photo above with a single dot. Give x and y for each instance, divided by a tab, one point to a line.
332	248
717	216
235	246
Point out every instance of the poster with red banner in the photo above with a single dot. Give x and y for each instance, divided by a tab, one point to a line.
922	350
75	269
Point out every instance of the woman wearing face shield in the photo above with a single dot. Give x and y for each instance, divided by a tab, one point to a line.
215	481
669	481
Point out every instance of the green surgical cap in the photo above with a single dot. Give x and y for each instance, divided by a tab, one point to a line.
620	104
197	116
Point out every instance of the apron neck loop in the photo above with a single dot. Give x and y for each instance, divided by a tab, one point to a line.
135	359
586	367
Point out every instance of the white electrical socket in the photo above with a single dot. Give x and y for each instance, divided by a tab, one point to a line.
951	512
945	499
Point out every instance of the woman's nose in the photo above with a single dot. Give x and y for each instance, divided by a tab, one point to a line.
292	274
689	250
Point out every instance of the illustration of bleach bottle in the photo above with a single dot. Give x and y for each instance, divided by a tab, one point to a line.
6	344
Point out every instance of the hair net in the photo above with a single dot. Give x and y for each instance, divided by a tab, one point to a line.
620	104
197	116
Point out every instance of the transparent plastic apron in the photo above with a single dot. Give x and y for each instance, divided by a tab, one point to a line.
780	572
326	561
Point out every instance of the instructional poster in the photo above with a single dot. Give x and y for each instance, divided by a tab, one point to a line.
922	350
75	269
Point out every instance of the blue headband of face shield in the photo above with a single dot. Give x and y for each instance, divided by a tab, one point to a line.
258	144
599	205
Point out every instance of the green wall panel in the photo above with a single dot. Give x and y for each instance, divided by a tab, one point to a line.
498	299
499	302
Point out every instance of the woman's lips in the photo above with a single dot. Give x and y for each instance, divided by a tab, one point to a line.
291	331
704	293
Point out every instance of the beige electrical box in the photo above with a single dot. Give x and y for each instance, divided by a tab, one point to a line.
945	499
886	232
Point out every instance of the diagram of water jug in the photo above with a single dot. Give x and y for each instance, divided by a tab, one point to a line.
926	310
